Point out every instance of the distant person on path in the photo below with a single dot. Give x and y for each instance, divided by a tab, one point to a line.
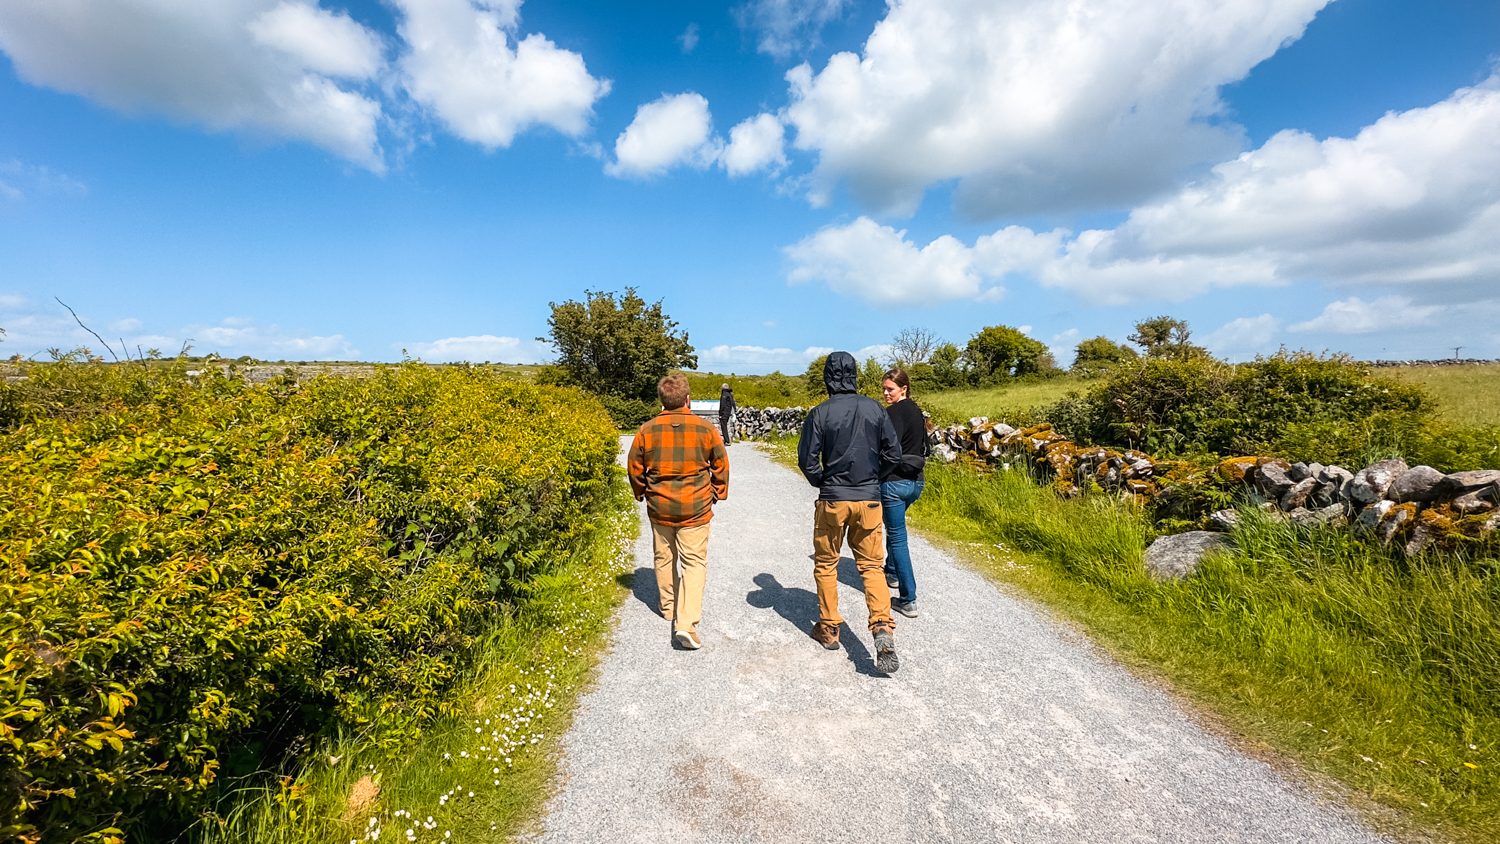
902	487
677	463
848	444
726	412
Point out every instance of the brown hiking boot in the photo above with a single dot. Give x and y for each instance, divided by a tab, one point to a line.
826	635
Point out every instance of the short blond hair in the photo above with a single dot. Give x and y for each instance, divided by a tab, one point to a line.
673	391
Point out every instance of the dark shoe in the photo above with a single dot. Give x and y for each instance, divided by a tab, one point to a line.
886	661
892	581
826	635
687	640
906	608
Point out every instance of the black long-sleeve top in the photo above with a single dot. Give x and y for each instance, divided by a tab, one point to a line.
911	430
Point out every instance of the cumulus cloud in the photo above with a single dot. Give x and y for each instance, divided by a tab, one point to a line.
461	64
258	65
1033	106
1063	346
880	265
1244	337
475	348
236	336
784	27
757	142
1355	316
1413	198
675	129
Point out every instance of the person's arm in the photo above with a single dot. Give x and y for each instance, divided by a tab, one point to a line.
810	450
718	466
635	466
890	446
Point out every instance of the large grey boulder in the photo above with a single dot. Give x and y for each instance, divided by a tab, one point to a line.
1177	556
1463	483
1273	480
1479	501
1297	496
1335	475
1371	516
1419	483
1371	483
1224	520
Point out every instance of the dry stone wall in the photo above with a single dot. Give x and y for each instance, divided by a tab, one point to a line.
1389	501
752	423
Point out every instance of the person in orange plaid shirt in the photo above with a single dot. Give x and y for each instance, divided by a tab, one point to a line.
678	464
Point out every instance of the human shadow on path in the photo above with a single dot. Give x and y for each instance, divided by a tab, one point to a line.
642	586
800	608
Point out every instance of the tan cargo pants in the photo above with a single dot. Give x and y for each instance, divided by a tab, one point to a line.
862	521
681	570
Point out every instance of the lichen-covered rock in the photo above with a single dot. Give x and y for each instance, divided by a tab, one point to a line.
1299	493
1236	470
1325	495
944	453
1395	522
1371	483
1000	429
976	421
1178	556
1419	483
1474	503
1370	517
1335	475
1333	514
1298	472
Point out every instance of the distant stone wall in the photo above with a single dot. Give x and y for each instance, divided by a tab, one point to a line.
1378	364
753	423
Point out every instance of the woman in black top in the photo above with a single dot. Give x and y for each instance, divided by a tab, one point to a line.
902	487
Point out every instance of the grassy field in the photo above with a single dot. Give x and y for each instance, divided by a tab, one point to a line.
1468	395
479	778
1011	403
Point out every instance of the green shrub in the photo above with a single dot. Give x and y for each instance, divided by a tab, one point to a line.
201	581
1196	404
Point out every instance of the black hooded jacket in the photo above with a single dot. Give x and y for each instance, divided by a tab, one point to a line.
848	443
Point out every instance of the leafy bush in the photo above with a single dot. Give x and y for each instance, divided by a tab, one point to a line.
1287	402
200	581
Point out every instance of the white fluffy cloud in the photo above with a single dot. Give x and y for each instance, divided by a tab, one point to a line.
759	357
1355	316
1244	337
784	27
1413	198
238	336
675	129
475	348
1032	105
461	65
756	143
258	65
880	265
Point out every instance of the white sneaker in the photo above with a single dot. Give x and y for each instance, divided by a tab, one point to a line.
688	640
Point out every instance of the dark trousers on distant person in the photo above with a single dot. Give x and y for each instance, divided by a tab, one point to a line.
725	424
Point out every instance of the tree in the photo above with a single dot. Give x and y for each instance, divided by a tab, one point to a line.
617	350
1101	354
813	377
1165	337
913	346
871	376
947	366
999	352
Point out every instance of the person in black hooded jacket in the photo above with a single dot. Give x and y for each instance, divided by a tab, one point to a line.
848	444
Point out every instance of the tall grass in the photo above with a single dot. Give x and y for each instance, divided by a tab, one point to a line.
481	777
1380	671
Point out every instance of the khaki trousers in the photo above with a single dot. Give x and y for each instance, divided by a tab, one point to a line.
681	570
862	521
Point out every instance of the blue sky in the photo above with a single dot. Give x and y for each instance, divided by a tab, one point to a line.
292	179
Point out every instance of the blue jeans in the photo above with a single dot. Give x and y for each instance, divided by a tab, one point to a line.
895	496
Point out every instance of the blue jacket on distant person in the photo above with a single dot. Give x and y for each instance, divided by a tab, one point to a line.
848	443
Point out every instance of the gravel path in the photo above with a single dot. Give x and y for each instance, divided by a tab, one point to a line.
998	727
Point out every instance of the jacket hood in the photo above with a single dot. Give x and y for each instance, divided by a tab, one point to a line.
840	375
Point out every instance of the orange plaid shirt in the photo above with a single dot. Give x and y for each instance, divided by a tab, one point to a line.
678	464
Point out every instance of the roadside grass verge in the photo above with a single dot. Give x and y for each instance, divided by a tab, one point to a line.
1380	672
480	777
1012	402
1469	396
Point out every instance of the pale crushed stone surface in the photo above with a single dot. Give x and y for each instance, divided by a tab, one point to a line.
1000	725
